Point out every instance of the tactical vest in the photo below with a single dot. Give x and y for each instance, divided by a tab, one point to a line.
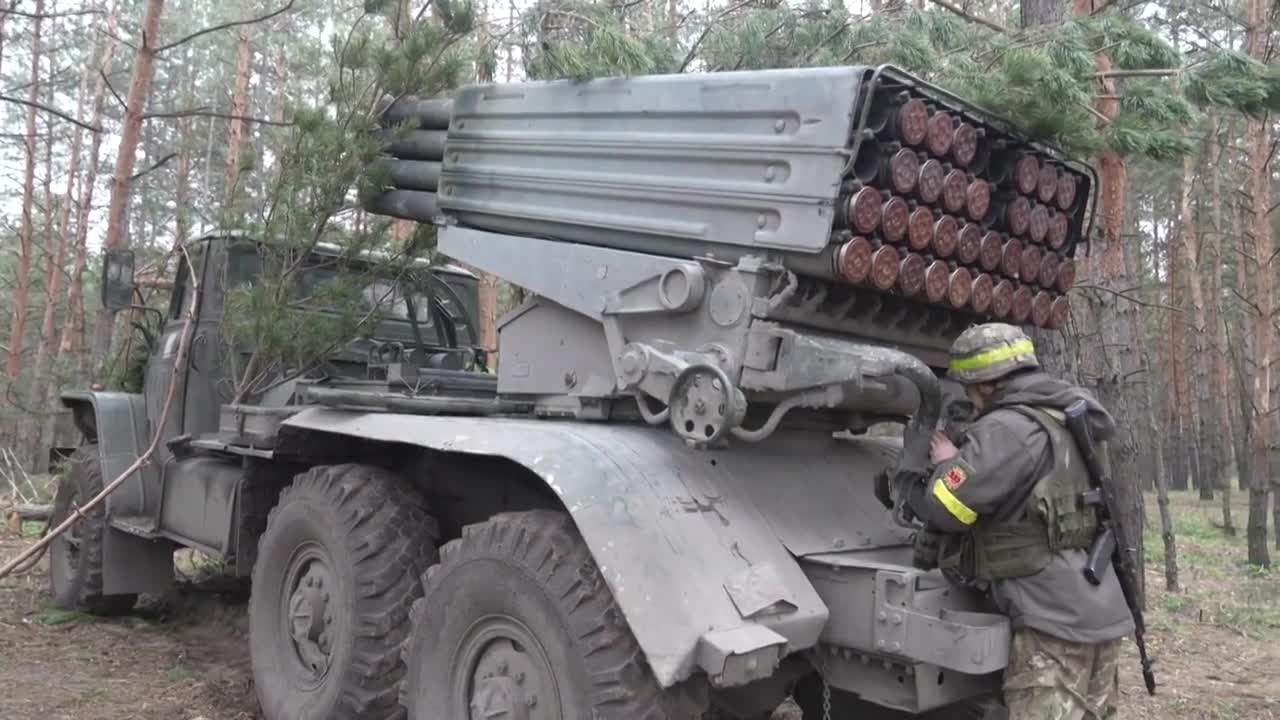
1051	517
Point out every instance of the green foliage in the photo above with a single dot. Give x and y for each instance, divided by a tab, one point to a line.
580	40
1044	79
325	168
1235	80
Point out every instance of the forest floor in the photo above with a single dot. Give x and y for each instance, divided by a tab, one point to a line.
186	657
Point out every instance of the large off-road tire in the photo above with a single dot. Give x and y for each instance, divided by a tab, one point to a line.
338	568
516	622
75	557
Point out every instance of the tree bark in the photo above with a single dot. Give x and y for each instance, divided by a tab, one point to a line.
1189	246
239	103
281	72
182	174
1114	364
1042	12
136	104
1180	408
22	289
73	326
1162	497
1221	377
1258	137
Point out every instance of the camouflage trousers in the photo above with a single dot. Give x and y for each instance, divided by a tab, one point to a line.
1052	679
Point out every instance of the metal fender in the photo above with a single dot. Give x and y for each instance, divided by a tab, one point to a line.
118	422
699	547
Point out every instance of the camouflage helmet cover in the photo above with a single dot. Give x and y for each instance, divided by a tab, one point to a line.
985	353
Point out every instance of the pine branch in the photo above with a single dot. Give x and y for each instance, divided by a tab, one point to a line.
971	18
51	111
225	26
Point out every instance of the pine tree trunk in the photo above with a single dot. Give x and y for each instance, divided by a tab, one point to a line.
1258	138
182	175
1118	328
1180	407
488	290
72	341
1221	376
281	72
1042	12
41	378
26	229
239	104
1162	496
136	104
1191	264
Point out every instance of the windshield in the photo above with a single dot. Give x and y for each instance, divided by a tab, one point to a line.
393	301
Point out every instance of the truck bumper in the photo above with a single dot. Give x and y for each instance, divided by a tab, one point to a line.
903	637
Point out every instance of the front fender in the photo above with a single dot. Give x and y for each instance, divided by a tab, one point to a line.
117	421
698	546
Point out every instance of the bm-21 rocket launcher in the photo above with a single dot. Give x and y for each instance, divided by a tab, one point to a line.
725	245
739	255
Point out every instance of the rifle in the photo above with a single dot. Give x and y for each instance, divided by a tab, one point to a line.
1109	545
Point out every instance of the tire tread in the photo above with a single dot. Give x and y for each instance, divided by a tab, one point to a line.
549	547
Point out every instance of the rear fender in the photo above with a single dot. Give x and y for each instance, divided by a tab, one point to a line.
698	547
117	422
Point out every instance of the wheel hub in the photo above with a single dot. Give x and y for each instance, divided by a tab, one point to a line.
510	676
310	617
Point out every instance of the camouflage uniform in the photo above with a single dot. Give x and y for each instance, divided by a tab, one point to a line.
1052	679
1063	659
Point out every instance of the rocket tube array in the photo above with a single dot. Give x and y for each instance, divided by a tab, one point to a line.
934	211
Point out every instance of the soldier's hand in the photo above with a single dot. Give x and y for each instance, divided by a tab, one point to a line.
941	449
924	554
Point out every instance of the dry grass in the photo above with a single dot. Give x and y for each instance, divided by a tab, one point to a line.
1215	640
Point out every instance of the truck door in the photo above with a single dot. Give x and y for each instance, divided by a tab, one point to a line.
160	367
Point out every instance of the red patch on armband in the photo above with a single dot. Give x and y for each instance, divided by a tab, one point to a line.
954	478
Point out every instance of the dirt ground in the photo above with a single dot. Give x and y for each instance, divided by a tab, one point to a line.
185	657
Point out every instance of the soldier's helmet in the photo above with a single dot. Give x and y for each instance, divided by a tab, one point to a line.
985	353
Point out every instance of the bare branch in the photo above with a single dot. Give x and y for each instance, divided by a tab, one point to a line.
46	16
155	166
1125	296
224	26
206	112
1156	72
51	111
971	18
107	81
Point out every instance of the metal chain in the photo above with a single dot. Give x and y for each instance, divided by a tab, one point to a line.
826	700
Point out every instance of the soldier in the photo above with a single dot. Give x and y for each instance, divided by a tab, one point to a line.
1004	509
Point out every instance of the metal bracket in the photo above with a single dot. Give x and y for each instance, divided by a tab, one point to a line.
967	642
740	655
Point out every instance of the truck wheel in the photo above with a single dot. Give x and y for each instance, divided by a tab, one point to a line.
338	568
75	557
516	622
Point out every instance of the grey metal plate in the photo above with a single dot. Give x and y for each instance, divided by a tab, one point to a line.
676	531
740	158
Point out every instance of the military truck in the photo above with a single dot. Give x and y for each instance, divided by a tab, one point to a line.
666	503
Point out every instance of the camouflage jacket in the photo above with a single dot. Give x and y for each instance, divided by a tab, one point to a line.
1003	455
